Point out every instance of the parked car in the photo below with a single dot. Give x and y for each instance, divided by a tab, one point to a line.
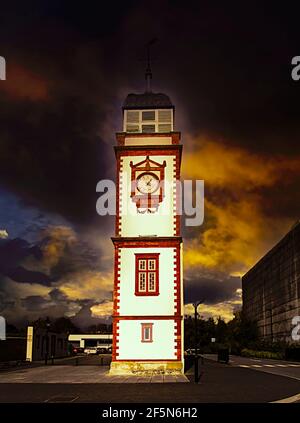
78	350
190	351
90	350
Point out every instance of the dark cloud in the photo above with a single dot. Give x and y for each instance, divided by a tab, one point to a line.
57	295
20	274
34	303
13	252
226	67
231	81
84	317
211	289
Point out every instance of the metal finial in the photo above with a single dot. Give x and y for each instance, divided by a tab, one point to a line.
148	73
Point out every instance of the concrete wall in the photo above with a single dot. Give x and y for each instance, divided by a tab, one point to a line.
271	289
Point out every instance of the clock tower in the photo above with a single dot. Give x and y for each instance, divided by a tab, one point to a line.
148	285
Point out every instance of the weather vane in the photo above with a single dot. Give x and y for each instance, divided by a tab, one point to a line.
148	73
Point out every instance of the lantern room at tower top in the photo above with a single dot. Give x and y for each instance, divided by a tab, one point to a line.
148	113
148	118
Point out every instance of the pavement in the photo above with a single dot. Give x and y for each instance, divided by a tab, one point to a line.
219	383
277	367
81	374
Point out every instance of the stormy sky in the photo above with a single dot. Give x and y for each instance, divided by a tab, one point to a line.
227	68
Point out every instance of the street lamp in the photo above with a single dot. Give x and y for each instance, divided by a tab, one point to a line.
196	305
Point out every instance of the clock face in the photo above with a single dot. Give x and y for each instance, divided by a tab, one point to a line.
147	183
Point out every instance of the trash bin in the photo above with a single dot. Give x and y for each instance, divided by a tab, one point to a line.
223	355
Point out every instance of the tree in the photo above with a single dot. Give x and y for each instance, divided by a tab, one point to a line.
243	332
59	325
64	325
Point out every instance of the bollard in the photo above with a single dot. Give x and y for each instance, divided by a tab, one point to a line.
76	361
102	360
52	360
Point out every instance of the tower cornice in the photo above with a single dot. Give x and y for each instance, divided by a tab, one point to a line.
175	136
148	150
146	241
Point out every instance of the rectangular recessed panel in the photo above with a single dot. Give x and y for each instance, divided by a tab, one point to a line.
148	115
148	128
165	127
132	128
164	116
132	117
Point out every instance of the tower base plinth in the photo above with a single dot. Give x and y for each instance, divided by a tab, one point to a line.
146	368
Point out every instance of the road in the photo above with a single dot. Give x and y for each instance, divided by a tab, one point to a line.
276	367
219	383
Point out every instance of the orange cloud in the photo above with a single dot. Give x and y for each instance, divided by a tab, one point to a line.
225	310
234	168
102	310
236	230
59	238
88	284
22	83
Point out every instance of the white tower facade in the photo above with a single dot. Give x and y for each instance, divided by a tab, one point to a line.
148	283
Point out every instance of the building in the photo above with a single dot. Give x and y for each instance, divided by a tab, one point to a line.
91	340
271	289
147	296
42	343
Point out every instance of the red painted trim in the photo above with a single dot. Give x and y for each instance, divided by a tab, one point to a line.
146	242
116	302
142	200
150	150
147	271
115	340
145	326
118	190
148	360
152	317
177	198
177	302
116	292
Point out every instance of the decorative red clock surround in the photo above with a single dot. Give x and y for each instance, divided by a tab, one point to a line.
147	202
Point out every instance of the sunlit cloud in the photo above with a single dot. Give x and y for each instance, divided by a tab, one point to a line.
233	168
3	233
236	231
92	285
103	310
225	310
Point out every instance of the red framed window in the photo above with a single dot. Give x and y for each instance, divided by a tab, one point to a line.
146	274
147	332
